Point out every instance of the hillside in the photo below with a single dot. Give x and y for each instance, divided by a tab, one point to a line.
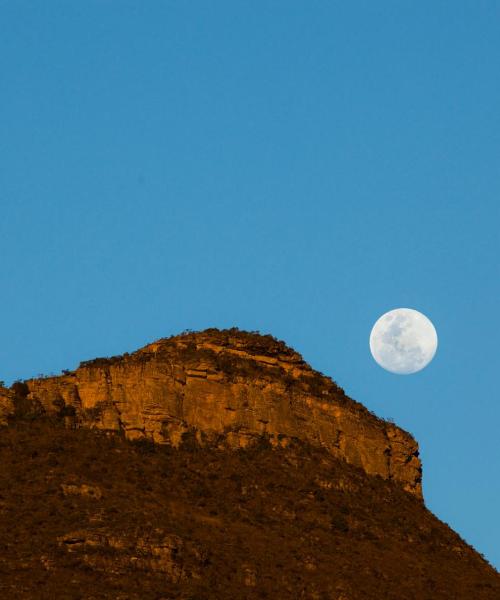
94	508
90	515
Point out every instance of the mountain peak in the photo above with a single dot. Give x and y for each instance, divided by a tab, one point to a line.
227	388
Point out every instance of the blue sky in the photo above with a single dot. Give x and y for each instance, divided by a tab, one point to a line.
297	168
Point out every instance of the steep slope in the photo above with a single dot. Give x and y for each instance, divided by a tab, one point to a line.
89	515
225	387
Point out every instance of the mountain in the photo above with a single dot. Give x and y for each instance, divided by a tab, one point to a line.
216	465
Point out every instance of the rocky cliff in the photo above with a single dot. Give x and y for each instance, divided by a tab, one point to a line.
224	388
264	481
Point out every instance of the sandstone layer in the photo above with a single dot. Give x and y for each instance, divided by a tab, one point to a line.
224	388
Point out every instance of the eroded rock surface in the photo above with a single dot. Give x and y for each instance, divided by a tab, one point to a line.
226	388
154	551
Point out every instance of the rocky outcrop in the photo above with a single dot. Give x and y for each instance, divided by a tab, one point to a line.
227	388
6	405
154	551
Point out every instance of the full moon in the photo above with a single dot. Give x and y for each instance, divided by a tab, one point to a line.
403	341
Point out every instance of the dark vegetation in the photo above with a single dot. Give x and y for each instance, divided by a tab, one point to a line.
257	523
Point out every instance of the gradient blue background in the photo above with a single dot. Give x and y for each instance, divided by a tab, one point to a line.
296	168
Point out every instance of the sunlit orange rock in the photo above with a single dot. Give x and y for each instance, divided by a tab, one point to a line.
226	388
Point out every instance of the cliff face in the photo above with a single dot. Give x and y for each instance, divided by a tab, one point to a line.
226	388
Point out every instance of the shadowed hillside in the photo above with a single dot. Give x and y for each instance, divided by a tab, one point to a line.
92	515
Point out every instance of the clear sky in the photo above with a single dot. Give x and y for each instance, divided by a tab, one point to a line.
296	168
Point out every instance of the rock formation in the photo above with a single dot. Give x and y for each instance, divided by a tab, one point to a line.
227	388
216	466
